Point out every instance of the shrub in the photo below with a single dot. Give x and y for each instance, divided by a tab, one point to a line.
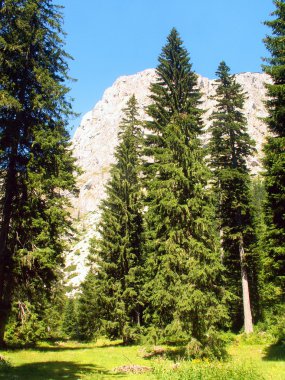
26	331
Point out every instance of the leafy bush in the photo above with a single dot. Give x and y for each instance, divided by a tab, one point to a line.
272	328
4	363
26	329
132	334
257	337
211	346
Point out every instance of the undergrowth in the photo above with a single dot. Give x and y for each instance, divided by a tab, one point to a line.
209	371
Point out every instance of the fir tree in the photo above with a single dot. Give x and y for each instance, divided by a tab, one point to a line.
117	285
258	196
36	164
185	299
274	161
90	308
70	319
230	146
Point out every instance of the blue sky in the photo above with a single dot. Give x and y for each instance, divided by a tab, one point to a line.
110	38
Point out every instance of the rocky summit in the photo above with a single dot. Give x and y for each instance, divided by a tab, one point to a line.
97	136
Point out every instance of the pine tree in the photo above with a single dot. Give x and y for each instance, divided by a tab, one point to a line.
230	146
36	164
117	285
274	161
185	299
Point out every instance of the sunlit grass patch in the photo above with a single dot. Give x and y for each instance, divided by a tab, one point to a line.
101	360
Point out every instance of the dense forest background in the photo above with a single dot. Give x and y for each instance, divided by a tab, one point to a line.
190	246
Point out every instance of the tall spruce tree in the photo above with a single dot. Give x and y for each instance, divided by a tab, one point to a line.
36	164
185	299
274	161
117	285
230	146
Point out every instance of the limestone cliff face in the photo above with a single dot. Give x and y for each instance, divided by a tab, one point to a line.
96	137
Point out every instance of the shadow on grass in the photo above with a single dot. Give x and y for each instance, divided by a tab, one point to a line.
65	346
53	348
54	371
62	348
275	352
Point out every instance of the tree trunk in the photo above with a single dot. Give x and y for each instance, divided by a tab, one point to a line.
222	253
248	327
5	256
138	318
4	313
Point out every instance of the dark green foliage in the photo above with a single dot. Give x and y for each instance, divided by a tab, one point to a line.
70	319
36	164
257	197
173	92
185	299
25	326
52	312
230	146
274	161
117	286
31	322
90	308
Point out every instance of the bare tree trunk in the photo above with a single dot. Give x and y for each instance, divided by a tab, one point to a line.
248	327
5	255
138	318
222	253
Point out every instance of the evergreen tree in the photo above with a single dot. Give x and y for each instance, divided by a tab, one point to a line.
36	164
185	299
70	319
40	319
117	285
274	161
90	307
258	196
230	146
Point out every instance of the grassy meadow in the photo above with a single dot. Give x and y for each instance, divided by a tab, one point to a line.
98	361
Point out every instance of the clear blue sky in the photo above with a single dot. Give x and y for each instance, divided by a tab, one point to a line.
110	38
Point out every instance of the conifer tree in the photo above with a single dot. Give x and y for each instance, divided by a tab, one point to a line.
185	299
70	320
117	284
274	150
36	164
90	308
230	146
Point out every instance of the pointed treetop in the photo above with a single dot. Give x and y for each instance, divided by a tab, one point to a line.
223	73
174	35
176	88
174	52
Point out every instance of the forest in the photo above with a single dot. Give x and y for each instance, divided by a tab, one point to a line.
190	252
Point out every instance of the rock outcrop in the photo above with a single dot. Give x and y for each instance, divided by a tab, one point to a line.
97	136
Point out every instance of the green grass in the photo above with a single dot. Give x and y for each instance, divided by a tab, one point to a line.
72	361
76	361
269	359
